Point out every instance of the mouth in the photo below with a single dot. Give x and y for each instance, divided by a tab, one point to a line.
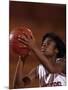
42	51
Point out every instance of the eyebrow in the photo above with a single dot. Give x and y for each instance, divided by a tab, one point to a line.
48	40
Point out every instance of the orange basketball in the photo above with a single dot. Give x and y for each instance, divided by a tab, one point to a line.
16	45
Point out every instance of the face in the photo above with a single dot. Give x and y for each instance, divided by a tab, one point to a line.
48	47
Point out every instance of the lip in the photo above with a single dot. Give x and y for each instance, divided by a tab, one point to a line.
42	51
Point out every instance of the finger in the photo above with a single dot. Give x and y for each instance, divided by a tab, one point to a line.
23	41
30	35
33	38
23	37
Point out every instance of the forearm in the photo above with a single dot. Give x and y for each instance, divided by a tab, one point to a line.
44	60
32	74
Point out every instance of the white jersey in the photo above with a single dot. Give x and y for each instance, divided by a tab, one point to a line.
50	79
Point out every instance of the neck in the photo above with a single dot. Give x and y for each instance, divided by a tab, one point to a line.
51	58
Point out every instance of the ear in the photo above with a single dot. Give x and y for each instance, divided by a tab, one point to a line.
56	50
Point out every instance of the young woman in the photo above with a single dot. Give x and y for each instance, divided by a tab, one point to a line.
52	70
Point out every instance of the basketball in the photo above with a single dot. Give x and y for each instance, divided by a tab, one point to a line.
16	46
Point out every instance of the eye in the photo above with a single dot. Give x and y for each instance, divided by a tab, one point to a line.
46	44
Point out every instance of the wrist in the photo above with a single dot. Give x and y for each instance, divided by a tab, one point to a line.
34	48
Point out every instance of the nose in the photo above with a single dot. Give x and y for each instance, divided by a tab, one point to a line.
42	48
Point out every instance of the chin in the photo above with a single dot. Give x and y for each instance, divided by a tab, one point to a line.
46	54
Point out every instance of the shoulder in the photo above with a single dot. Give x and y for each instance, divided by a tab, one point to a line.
62	63
40	67
61	60
41	70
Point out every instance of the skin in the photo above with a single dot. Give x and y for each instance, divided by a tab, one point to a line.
47	56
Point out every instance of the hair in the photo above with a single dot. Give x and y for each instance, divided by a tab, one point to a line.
59	44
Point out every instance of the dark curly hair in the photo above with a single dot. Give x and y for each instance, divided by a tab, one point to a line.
59	44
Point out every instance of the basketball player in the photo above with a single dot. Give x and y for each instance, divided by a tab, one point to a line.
52	70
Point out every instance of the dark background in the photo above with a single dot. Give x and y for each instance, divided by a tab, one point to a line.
40	18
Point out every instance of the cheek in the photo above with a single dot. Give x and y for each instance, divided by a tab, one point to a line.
51	50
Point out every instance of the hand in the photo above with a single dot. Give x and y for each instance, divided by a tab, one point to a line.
27	40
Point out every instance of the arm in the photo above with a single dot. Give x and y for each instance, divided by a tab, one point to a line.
31	75
31	78
52	67
17	80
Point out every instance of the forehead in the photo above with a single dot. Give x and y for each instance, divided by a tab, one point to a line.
48	39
